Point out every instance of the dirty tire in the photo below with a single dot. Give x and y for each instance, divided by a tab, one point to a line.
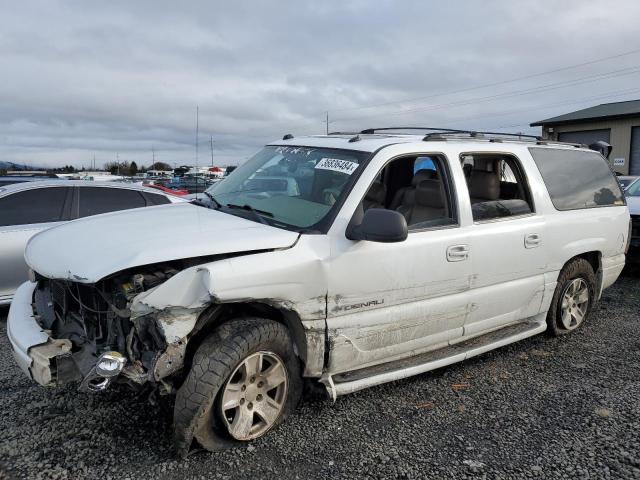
577	268
196	415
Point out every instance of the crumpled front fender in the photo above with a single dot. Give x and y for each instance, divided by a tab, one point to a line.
176	306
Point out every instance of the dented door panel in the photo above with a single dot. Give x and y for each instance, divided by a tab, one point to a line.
508	282
388	301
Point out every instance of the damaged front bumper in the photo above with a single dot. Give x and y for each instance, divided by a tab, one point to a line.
34	351
154	347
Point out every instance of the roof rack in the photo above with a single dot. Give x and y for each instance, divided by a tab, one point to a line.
498	137
475	134
371	131
438	131
436	134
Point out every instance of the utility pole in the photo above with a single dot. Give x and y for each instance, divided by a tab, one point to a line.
327	121
211	143
118	162
197	129
153	156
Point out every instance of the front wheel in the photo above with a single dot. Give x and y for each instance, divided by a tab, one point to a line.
244	381
574	298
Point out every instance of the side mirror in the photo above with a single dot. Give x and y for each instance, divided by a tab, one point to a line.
379	225
603	147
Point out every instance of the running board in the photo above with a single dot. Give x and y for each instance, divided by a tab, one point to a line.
349	382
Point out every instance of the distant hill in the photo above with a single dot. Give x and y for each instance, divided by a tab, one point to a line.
15	166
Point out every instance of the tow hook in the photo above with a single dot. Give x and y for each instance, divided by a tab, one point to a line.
108	366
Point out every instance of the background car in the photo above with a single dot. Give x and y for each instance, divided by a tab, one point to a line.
626	181
174	191
632	194
29	207
11	179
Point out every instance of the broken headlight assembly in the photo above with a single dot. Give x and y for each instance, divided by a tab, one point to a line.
107	344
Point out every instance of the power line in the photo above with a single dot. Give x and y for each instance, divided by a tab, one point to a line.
541	107
493	84
542	88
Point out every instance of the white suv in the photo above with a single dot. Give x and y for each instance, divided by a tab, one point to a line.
353	259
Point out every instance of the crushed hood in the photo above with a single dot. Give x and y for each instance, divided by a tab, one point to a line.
91	248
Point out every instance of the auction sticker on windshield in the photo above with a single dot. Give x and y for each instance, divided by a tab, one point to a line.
342	166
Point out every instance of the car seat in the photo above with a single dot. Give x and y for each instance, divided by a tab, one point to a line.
427	203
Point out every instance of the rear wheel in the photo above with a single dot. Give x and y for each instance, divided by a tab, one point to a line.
574	298
244	381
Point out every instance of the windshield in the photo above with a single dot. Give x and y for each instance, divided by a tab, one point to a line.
633	190
295	186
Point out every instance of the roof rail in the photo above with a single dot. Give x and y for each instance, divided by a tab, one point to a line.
494	137
481	134
436	131
370	131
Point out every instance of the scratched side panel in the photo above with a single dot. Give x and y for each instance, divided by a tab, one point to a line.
509	277
389	301
385	334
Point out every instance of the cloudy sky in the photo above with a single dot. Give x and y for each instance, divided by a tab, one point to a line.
80	79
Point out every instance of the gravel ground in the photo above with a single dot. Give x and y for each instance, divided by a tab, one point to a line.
545	407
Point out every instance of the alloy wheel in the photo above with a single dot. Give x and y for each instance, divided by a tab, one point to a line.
575	302
254	396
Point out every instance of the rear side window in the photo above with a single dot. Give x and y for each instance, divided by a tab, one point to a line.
40	205
497	185
577	179
96	200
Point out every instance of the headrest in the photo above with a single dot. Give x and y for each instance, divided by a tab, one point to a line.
424	174
377	193
484	185
429	194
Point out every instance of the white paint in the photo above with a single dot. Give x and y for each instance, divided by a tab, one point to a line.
410	298
91	248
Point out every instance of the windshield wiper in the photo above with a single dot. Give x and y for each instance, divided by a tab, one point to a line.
258	214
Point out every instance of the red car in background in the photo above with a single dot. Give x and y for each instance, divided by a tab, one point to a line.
175	191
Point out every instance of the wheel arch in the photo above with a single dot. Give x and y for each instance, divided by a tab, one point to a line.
220	313
594	257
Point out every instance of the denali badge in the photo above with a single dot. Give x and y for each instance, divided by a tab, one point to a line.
370	303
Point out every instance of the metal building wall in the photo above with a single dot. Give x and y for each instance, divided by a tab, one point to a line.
620	137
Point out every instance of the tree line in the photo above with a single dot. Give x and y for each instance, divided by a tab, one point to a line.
129	169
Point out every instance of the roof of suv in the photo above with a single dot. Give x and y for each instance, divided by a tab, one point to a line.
372	142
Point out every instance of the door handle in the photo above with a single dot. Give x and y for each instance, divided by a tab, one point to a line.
457	253
532	240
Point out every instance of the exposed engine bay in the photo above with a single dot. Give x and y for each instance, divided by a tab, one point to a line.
102	339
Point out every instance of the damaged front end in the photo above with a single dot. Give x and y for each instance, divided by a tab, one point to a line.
99	334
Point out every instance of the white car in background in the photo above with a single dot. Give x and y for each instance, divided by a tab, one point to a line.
626	181
29	207
632	194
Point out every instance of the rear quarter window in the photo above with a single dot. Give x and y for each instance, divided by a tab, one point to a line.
576	179
155	199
